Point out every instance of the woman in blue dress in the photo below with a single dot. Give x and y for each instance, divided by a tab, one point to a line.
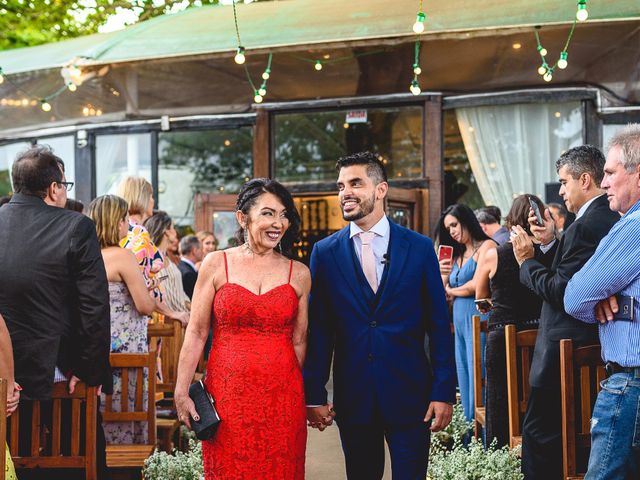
459	228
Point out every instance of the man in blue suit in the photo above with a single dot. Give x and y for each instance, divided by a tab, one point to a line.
376	295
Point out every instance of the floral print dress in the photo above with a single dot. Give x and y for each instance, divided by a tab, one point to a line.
128	335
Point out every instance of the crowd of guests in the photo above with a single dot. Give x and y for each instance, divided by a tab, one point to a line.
375	307
540	272
90	286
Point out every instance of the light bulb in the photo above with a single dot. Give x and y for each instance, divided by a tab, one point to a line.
318	65
548	76
542	50
1	77
265	74
262	91
418	27
72	87
416	69
85	111
582	14
257	98
239	58
542	69
46	106
562	63
415	88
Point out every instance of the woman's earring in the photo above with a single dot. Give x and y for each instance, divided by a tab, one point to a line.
246	235
280	247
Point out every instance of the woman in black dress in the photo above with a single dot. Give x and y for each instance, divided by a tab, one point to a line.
513	303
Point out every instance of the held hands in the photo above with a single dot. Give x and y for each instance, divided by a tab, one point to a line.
441	413
13	398
320	417
522	244
546	233
185	408
606	309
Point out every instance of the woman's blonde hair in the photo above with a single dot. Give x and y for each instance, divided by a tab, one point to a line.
106	212
137	192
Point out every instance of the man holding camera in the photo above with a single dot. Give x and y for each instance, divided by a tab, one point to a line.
606	291
580	170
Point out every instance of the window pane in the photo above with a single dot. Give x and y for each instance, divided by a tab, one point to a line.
64	147
211	161
120	156
307	145
7	156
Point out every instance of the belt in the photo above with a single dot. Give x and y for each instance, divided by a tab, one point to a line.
612	368
492	327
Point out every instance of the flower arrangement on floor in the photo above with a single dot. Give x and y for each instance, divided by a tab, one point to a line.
449	458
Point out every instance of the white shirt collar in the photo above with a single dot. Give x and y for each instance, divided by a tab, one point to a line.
381	228
188	262
584	207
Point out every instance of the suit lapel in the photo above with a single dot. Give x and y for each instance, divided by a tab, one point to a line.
343	255
397	256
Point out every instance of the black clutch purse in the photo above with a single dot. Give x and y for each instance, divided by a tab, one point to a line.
206	408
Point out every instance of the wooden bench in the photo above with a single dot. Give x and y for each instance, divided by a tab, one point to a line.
48	449
585	365
519	346
3	427
133	455
479	327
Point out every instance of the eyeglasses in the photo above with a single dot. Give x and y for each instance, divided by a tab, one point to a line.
68	186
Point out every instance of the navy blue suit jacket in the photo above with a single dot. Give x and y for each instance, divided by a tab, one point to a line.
380	366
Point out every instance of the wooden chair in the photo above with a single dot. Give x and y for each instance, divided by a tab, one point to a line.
172	335
584	364
52	454
519	346
479	327
133	455
3	426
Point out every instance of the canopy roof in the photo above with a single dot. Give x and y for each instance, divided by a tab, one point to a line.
303	23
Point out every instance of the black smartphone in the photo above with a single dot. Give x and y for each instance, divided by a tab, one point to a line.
625	308
536	211
483	304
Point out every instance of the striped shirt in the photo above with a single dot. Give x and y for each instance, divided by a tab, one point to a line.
614	268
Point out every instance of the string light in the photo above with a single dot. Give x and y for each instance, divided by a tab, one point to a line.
416	69
415	87
45	106
563	63
239	58
542	51
72	87
266	74
318	65
548	76
262	91
582	14
542	69
1	76
257	97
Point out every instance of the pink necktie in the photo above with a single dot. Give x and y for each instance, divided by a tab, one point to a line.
368	260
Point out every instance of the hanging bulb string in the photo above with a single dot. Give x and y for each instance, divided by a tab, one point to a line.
30	95
235	21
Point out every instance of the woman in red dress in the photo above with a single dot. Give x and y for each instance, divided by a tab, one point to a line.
258	300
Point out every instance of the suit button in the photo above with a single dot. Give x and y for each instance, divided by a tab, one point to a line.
370	357
373	324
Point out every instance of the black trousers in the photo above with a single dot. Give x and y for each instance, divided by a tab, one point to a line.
542	435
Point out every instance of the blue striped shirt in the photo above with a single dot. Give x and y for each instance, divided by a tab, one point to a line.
613	268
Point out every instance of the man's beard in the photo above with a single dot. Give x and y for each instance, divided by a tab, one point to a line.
366	207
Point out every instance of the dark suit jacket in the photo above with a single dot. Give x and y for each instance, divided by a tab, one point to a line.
189	277
54	295
377	341
571	252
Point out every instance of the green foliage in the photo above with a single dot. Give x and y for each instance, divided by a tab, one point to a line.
474	462
179	466
457	429
25	23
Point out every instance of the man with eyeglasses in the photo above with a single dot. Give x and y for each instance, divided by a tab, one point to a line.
54	294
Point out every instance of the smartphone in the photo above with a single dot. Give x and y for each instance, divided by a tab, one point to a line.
483	304
536	211
445	252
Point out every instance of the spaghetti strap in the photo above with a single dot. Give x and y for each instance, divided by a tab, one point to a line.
226	268
290	271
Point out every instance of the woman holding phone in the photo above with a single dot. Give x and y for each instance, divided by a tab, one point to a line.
512	304
459	228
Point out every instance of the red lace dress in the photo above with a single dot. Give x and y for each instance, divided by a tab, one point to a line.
255	378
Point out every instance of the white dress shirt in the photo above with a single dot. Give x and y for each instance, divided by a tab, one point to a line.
379	244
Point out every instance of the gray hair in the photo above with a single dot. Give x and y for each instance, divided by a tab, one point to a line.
485	217
628	140
583	159
188	244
